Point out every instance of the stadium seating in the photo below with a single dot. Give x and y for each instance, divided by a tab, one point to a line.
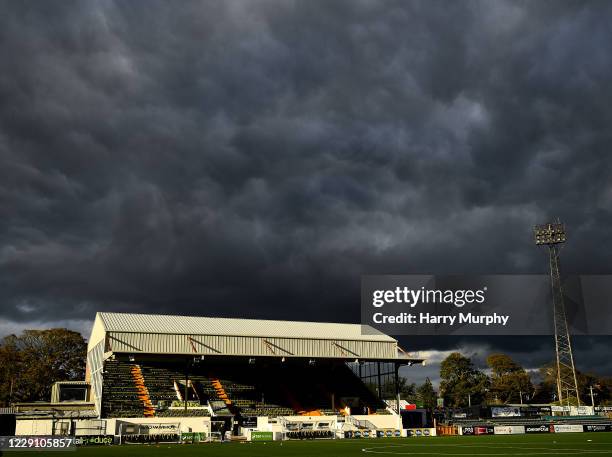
280	389
179	412
119	392
156	380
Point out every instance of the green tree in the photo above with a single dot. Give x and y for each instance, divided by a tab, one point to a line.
10	367
461	383
602	386
31	362
427	395
407	390
546	389
509	380
602	391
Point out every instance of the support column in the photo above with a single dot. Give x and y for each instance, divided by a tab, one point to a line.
186	384
378	380
397	390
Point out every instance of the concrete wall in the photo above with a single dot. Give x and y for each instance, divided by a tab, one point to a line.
34	427
390	421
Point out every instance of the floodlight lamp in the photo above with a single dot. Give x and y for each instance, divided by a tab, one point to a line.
549	233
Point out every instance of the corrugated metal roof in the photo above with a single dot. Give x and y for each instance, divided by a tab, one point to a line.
167	324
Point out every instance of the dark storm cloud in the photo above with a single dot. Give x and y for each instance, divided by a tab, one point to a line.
255	158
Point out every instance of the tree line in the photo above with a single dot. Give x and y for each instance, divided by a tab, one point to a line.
31	362
504	381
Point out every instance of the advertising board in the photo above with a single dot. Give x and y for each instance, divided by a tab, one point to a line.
421	432
567	428
262	436
505	411
537	429
509	429
560	409
387	433
582	410
478	430
94	440
598	428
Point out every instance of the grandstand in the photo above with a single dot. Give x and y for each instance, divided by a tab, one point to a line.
155	366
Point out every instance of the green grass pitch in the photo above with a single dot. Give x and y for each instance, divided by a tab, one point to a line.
560	445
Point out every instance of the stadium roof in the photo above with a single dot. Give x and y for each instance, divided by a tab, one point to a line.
156	334
168	324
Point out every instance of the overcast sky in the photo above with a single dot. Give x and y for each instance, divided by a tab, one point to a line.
255	158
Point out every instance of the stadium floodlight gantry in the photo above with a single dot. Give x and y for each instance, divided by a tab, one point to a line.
159	365
553	236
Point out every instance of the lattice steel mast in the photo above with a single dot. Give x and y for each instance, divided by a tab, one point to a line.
553	235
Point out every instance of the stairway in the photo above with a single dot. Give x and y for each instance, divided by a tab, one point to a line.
143	392
221	392
222	395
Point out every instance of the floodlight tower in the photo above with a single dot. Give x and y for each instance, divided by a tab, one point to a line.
553	235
